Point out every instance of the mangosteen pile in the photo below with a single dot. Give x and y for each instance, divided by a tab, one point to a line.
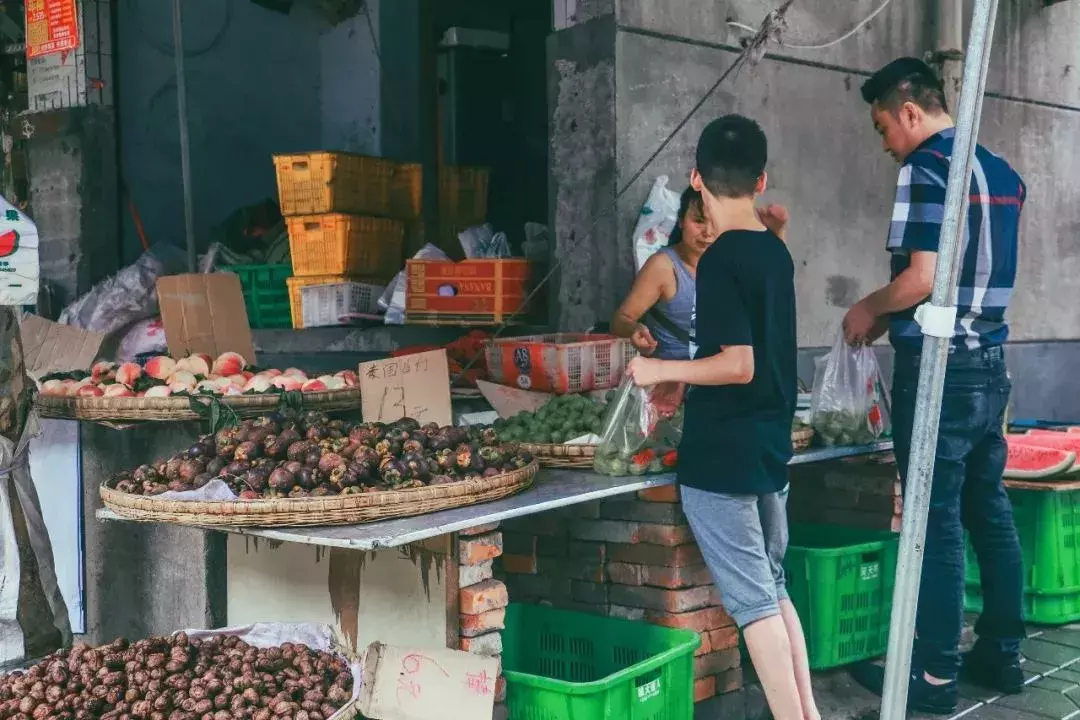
296	455
180	678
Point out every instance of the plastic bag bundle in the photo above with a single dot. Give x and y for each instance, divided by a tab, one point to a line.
849	405
642	429
655	222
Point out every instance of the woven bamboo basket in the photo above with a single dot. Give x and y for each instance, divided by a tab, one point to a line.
802	438
335	510
171	409
560	455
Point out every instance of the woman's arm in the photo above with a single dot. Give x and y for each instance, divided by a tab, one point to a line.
647	290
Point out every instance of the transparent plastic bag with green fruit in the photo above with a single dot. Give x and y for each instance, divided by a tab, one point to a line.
642	430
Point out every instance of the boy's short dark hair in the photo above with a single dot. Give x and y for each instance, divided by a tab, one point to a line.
731	156
906	80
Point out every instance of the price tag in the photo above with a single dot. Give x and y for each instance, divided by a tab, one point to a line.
415	386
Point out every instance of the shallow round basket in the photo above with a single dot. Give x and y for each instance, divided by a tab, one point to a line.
802	438
172	409
336	510
561	456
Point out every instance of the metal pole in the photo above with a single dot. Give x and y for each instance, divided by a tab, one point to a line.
932	369
185	148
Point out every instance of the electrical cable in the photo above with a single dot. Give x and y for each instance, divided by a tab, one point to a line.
859	26
371	31
167	48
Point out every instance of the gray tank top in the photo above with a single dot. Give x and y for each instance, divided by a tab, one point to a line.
679	311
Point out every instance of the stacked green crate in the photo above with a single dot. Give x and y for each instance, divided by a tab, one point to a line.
266	296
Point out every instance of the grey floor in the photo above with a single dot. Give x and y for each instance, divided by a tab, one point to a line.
1051	663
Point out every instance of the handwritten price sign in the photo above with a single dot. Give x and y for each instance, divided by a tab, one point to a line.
416	386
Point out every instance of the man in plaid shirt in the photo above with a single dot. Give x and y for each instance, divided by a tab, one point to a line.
909	112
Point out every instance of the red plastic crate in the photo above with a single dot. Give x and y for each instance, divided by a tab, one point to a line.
486	291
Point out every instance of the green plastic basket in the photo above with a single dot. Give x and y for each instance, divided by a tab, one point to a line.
1048	523
266	296
562	665
841	582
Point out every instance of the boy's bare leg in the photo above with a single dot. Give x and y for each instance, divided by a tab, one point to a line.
800	659
771	652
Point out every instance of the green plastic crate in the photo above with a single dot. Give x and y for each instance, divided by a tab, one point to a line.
562	665
266	296
1048	523
841	582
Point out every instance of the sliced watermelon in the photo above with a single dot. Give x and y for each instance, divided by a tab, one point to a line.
1029	462
1069	442
1044	432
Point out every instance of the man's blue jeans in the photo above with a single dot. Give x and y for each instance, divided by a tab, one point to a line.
967	495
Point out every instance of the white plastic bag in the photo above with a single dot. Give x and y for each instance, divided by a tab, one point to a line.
393	298
143	338
655	221
849	405
481	241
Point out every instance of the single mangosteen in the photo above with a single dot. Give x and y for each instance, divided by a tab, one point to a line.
237	467
249	495
412	446
293	466
393	473
172	468
330	461
337	477
188	470
195	450
216	465
299	492
463	457
127	486
492	471
445	459
273	448
202	479
305	478
315	432
321	491
312	457
415	463
282	480
248	450
383	447
299	449
492	455
256	479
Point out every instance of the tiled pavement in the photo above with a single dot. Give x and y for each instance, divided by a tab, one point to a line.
1052	666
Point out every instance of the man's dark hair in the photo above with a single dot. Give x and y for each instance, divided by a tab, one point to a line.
906	80
731	156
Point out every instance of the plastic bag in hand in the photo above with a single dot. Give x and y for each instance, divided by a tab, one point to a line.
642	429
849	404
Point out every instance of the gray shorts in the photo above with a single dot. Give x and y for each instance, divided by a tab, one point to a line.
744	539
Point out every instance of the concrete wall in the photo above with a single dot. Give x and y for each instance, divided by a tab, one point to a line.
258	82
825	160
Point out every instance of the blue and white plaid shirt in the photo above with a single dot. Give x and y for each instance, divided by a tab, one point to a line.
989	245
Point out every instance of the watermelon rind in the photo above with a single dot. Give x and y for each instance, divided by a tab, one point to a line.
1068	442
1054	462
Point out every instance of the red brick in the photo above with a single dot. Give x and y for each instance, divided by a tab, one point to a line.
489	644
588	551
479	530
704	688
704	648
716	662
643	511
589	592
475	625
729	681
663	494
712	618
724	638
572	568
482	597
626	613
666	535
516	543
688	555
672	601
479	549
472	574
518	564
658	575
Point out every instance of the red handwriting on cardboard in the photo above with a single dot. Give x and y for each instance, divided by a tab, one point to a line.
410	675
479	683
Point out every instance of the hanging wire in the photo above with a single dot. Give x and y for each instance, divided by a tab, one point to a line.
863	23
371	31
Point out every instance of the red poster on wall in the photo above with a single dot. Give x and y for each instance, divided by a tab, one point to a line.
52	26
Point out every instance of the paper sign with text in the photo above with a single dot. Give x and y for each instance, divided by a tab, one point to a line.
422	683
415	386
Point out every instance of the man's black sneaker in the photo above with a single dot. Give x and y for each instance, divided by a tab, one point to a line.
992	673
922	696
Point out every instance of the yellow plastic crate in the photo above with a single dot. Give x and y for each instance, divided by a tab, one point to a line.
325	182
340	244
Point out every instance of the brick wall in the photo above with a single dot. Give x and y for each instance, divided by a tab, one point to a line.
482	601
858	492
631	558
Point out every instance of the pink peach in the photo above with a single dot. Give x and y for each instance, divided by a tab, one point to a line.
53	387
160	367
118	390
258	384
232	390
195	364
296	373
128	373
209	386
182	377
271	372
238	379
332	382
159	391
102	370
90	391
287	383
228	363
314	385
349	377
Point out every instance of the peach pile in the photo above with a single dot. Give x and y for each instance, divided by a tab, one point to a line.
199	374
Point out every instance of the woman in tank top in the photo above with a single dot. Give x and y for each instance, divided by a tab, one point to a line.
658	313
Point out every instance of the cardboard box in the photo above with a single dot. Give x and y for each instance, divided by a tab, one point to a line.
51	347
426	684
205	313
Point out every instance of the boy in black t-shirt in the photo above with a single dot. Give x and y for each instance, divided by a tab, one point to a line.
737	431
